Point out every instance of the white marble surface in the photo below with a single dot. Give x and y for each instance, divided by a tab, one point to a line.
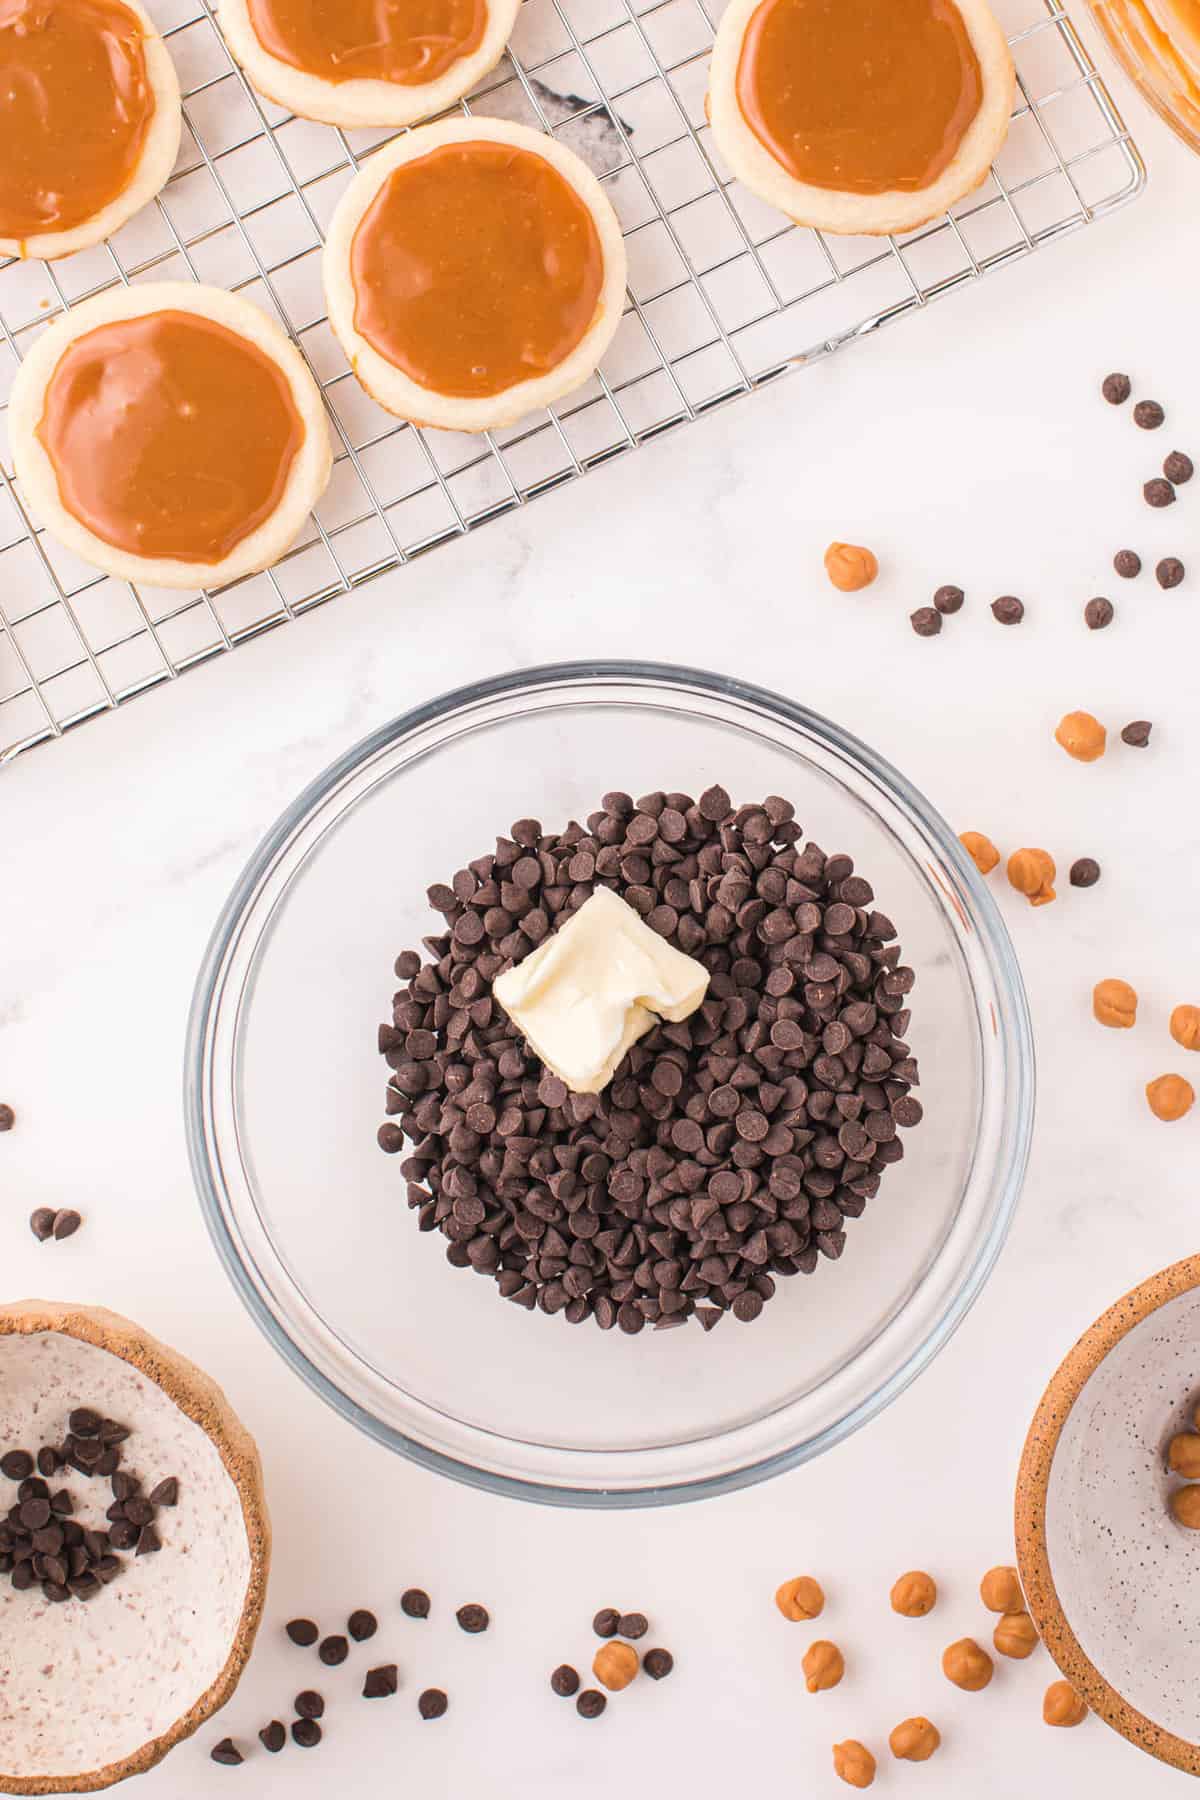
966	445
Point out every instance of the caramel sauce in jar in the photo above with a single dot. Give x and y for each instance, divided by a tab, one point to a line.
1158	44
405	41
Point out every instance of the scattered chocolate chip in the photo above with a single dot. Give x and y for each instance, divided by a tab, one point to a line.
415	1603
48	1460
1116	389
591	1703
307	1733
949	599
1137	733
606	1622
1158	492
166	1493
382	1682
1148	414
148	1541
226	1752
633	1625
1127	563
473	1619
433	1703
333	1650
41	1223
1098	613
8	1117
16	1465
565	1681
309	1704
926	621
362	1625
84	1423
66	1223
1178	468
1169	572
273	1737
658	1664
1008	610
1085	872
390	1138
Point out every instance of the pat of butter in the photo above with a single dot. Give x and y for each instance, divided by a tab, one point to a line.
594	987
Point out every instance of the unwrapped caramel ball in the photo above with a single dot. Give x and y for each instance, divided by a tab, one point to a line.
801	1598
1185	1507
1062	1705
915	1740
980	849
1185	1026
967	1665
1015	1635
1032	873
914	1594
823	1665
1081	736
1000	1590
851	566
1170	1096
615	1665
854	1763
1114	1003
1183	1455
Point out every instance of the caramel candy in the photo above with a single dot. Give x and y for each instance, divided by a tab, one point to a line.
1000	1590
1081	736
1185	1026
614	1665
1062	1705
1032	873
914	1594
967	1665
851	566
1015	1635
980	849
823	1665
854	1763
1185	1507
1183	1455
914	1740
1114	1003
1170	1096
801	1598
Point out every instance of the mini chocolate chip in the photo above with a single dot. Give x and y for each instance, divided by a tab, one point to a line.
1178	468
226	1752
333	1650
658	1664
1169	572
606	1622
1098	613
381	1682
1085	872
433	1703
362	1625
8	1117
565	1681
1116	389
1127	563
17	1465
473	1618
66	1223
166	1493
633	1625
41	1223
926	621
1137	733
591	1703
949	599
309	1704
1008	610
1158	492
302	1632
1148	414
415	1603
273	1737
307	1733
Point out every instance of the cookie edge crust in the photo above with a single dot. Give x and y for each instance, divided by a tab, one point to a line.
368	102
153	170
394	390
867	215
306	480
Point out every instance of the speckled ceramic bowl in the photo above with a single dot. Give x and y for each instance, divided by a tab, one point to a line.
1112	1582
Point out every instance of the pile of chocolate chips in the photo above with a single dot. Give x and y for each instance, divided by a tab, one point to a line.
729	1148
41	1544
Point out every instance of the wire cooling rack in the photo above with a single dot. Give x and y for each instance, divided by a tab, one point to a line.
724	297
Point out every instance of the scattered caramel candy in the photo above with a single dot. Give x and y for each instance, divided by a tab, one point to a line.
1114	1003
801	1598
915	1740
1062	1705
1183	1455
1170	1096
851	566
914	1594
967	1665
980	849
823	1665
854	1763
615	1665
1185	1507
1032	873
1000	1590
1081	736
1185	1026
1015	1635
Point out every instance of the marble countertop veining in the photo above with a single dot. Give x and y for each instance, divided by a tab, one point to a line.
969	445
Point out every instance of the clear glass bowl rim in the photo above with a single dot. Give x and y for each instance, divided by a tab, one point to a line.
1014	1027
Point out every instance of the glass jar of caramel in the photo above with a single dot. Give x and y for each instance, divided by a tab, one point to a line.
1157	43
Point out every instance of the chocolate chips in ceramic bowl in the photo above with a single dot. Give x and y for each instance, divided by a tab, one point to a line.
730	1148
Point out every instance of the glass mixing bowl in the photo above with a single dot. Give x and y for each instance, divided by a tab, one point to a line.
284	1092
